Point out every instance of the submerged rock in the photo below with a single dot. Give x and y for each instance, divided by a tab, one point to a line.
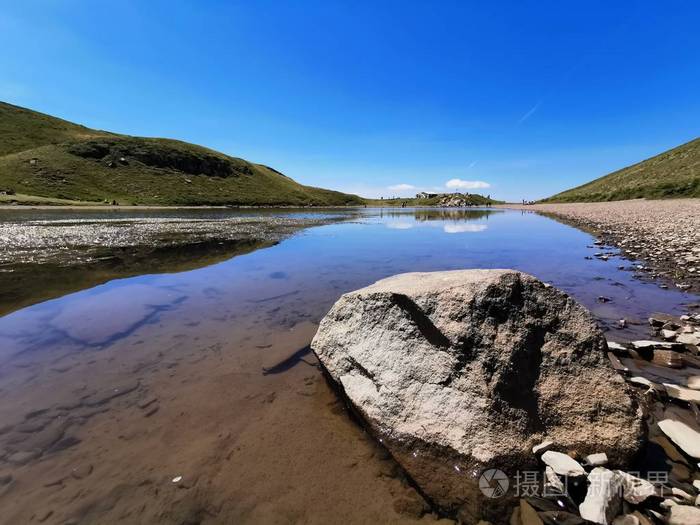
457	372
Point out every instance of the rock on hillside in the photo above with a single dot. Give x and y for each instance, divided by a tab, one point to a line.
461	371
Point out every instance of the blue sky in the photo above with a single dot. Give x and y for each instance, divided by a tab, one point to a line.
375	98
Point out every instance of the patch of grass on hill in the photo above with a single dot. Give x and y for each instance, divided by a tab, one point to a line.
56	160
672	174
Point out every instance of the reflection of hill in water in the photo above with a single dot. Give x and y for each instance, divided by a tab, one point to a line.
443	214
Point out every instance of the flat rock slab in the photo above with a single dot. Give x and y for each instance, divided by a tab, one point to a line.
457	372
682	428
562	464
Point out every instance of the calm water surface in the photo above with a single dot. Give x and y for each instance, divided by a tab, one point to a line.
300	278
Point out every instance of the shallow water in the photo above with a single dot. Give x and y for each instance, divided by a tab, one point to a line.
301	277
223	348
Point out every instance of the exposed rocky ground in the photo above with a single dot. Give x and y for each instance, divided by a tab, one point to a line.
79	240
664	234
49	254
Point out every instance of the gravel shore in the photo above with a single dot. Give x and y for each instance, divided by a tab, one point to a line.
664	234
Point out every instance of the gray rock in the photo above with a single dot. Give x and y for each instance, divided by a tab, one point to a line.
461	371
603	499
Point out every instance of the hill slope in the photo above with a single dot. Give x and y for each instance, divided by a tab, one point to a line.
674	173
51	158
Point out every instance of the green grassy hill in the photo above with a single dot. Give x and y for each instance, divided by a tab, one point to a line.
674	173
49	158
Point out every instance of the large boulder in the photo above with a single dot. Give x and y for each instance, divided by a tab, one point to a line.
462	371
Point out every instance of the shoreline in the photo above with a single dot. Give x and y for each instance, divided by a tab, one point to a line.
663	234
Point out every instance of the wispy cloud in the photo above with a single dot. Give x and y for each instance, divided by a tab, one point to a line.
459	184
472	164
402	187
530	112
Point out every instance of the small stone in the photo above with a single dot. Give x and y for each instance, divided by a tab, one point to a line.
542	447
689	339
684	515
596	460
634	489
668	334
616	347
682	494
81	472
562	464
627	519
668	503
603	502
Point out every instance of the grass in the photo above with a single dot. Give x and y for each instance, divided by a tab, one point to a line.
48	160
672	174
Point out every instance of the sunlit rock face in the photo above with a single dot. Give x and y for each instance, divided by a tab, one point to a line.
461	371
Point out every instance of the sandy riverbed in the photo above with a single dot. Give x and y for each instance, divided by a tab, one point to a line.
665	234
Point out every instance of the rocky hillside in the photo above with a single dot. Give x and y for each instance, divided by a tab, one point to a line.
674	173
442	200
47	157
